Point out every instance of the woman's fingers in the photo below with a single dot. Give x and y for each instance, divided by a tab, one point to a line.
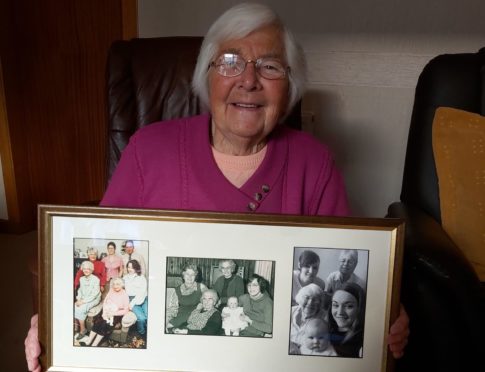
398	334
32	346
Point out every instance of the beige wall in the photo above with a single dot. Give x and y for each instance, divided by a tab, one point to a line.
364	59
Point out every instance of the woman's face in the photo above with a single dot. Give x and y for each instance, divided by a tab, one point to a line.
308	273
344	309
87	271
226	269
92	256
117	286
310	306
248	106
189	276
208	302
111	249
130	268
253	288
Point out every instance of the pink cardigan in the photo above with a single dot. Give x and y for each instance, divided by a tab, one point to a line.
169	165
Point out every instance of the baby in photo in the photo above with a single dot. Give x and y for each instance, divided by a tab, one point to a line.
314	339
109	311
231	317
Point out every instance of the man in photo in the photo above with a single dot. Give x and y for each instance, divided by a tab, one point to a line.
348	261
130	254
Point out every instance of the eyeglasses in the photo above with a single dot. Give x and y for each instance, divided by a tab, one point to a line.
231	64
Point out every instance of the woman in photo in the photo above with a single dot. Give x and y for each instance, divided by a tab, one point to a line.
113	263
115	305
310	300
136	287
258	308
346	320
88	296
188	296
205	319
308	265
99	269
228	284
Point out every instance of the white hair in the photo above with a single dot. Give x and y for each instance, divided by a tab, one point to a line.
236	23
119	281
87	265
92	250
352	253
311	290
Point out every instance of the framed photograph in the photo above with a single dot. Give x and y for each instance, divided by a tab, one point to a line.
145	290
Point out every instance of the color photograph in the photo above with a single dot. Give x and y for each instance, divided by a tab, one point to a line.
110	293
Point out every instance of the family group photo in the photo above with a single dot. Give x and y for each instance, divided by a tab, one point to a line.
328	302
110	293
219	297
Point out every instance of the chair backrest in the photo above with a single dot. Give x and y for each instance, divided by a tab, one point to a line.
149	80
450	80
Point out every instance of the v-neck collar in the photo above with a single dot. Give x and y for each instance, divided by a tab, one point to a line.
255	190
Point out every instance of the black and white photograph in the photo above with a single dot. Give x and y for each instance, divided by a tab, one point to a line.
110	293
328	302
219	297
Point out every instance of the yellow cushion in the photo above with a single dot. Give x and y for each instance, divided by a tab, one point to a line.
459	151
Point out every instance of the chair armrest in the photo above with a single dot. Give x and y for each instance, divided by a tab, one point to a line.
442	295
430	247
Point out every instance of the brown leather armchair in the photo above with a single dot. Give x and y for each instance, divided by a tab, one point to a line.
149	80
440	290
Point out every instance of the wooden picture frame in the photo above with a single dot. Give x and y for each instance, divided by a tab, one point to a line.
269	246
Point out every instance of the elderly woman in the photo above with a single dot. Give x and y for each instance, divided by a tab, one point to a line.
258	308
308	265
250	73
88	296
310	301
346	320
229	284
99	269
115	305
205	319
187	296
113	263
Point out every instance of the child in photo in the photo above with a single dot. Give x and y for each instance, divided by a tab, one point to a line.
314	339
231	317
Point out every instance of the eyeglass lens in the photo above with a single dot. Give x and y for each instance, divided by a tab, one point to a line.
231	64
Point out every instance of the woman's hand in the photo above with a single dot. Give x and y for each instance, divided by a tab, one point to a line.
79	303
245	318
180	331
398	334
32	345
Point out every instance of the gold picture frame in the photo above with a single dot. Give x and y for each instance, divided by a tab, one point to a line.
267	245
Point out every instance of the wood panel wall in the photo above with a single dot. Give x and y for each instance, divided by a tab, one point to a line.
53	57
